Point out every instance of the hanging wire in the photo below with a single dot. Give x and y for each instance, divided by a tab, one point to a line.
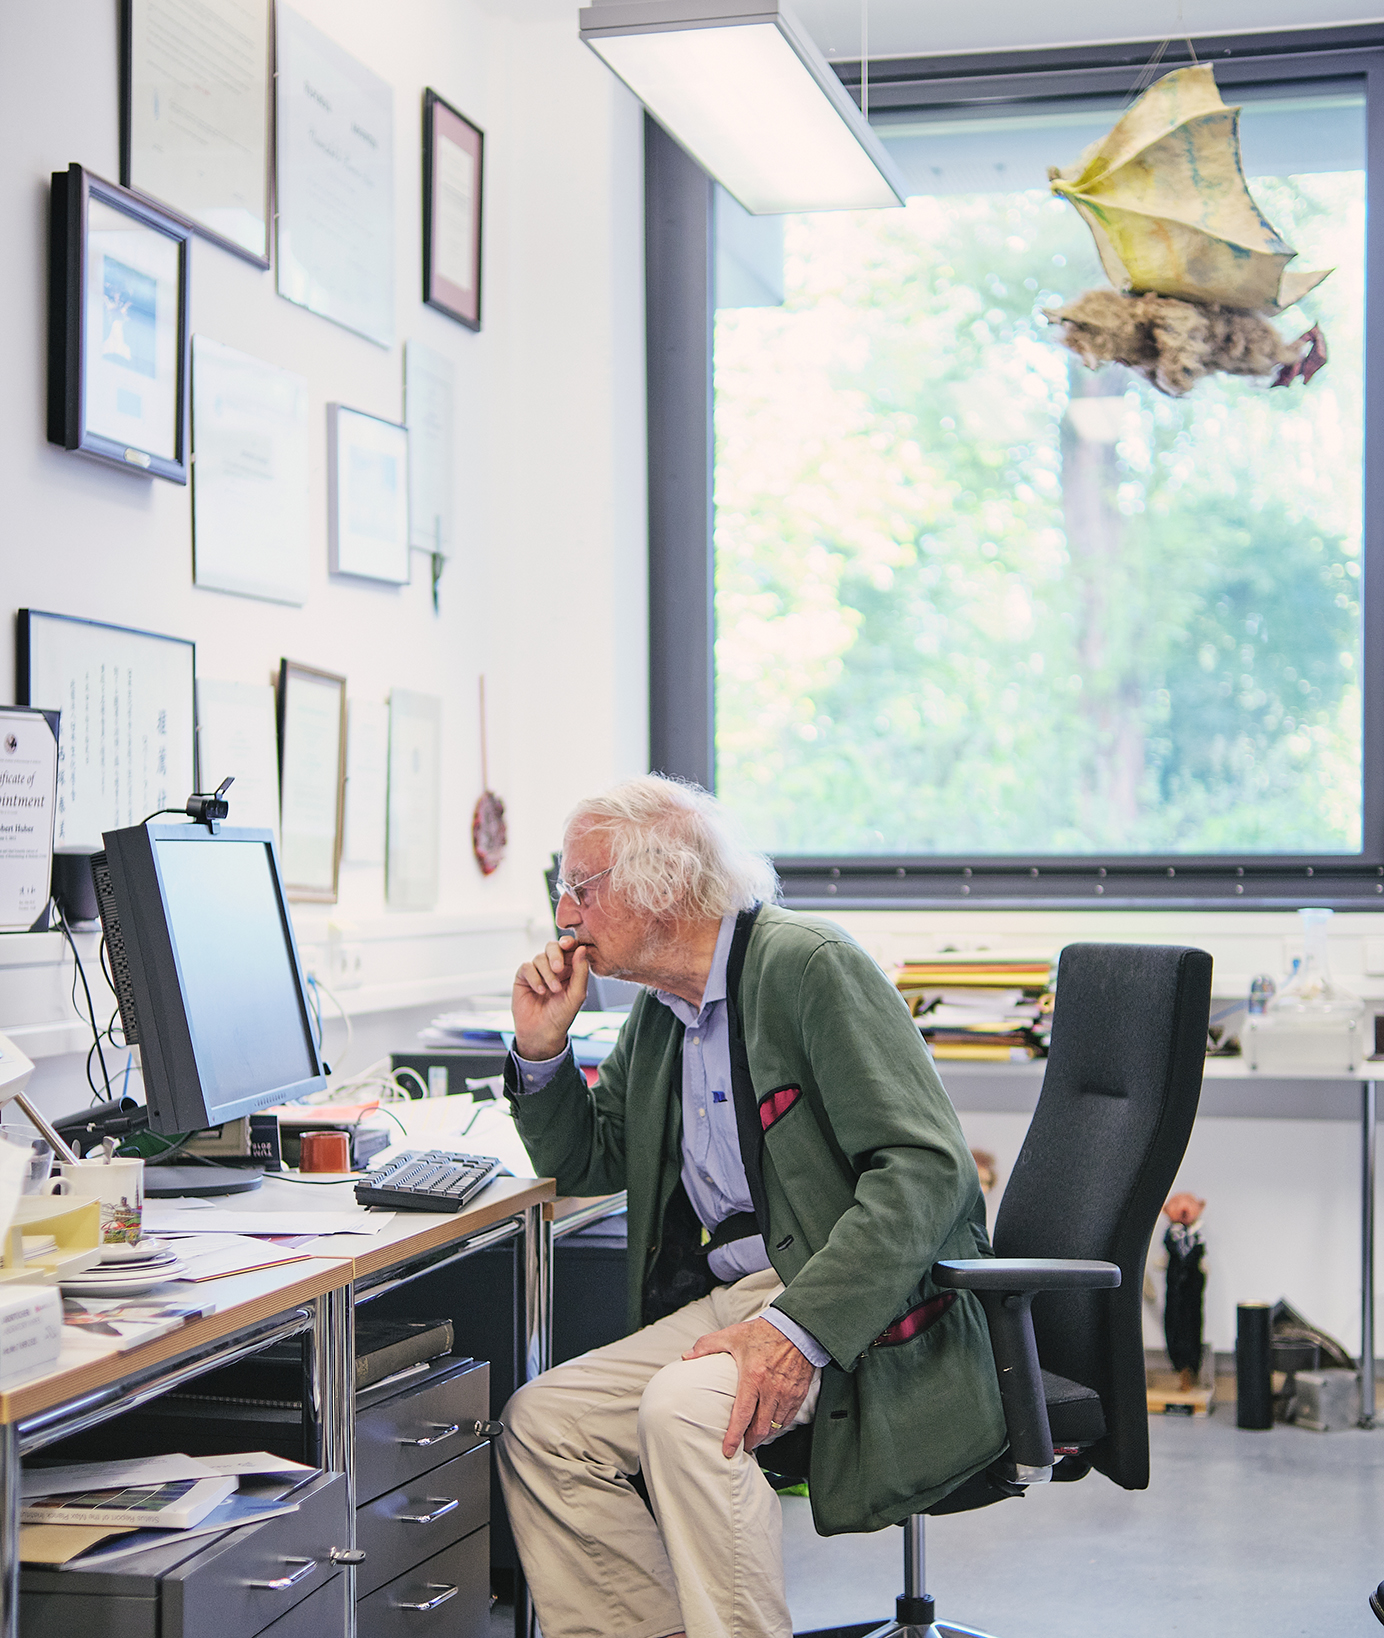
865	58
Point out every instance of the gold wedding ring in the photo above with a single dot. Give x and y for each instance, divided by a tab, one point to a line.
776	1424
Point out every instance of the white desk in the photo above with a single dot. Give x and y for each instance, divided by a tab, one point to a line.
1231	1088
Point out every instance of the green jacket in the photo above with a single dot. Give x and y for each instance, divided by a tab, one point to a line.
868	1182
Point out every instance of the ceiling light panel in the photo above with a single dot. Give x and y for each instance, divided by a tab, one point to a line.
753	102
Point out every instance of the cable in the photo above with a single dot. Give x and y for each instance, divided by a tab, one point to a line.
91	1009
316	983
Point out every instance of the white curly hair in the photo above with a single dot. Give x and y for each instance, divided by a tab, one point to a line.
677	852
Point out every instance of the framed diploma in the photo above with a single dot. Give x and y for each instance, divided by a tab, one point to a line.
117	327
412	869
195	115
367	495
127	742
453	154
335	163
251	521
312	779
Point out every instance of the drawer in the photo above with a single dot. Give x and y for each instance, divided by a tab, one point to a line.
222	1592
407	1525
320	1615
447	1596
400	1438
199	1588
60	1615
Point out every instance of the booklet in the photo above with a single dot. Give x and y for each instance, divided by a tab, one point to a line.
234	1511
108	1323
175	1504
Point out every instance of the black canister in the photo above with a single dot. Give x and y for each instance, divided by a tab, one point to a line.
1253	1364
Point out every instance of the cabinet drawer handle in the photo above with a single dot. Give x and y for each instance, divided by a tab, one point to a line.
449	1505
347	1555
442	1430
443	1591
307	1566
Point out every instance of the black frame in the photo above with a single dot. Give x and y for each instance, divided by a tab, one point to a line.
300	892
73	189
680	244
126	133
23	653
432	295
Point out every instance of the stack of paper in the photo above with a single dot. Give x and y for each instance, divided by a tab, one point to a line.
98	1512
980	1008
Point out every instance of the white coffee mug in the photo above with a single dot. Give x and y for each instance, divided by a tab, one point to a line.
118	1184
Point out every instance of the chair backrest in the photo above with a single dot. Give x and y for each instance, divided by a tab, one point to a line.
1119	1098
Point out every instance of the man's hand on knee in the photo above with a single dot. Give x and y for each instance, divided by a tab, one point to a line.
774	1380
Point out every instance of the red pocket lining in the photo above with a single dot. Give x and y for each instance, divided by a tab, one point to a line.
775	1105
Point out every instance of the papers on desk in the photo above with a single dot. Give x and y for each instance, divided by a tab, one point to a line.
214	1256
592	1034
179	1217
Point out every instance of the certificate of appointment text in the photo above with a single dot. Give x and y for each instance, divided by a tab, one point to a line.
336	182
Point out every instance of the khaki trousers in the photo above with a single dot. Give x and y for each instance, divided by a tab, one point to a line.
709	1562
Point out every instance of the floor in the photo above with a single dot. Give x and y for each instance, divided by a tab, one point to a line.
1239	1533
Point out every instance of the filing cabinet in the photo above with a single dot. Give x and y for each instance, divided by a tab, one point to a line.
238	1585
423	1504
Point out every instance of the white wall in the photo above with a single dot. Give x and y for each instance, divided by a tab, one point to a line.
546	591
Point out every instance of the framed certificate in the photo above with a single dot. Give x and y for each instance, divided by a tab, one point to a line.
127	743
312	779
195	115
367	495
28	809
117	327
334	222
453	174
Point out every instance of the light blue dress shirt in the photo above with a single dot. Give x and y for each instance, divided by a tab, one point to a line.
712	1171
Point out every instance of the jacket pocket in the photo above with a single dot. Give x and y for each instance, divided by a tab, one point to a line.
773	1106
917	1320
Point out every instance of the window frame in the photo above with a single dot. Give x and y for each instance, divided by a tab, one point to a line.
680	252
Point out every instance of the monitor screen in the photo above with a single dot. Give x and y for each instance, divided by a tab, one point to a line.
250	1033
206	971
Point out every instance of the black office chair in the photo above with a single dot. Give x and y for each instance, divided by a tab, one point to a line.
1118	1101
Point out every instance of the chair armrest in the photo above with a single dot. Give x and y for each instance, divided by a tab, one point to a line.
1024	1274
1006	1287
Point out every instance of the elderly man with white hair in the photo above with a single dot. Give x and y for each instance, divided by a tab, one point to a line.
794	1170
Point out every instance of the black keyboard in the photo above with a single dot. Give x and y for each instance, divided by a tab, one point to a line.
428	1180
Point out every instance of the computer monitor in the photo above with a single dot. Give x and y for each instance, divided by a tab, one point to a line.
206	971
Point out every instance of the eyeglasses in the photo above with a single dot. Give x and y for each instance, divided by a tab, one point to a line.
576	890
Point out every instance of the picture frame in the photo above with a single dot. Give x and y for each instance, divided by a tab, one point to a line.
196	116
334	181
453	210
311	709
117	327
367	496
127	742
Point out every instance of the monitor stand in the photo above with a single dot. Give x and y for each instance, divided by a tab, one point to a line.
165	1182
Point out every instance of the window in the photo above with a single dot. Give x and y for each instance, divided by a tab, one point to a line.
982	611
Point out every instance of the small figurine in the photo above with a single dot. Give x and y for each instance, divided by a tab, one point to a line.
1182	1307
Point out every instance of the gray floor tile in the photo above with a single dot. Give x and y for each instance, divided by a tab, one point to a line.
1279	1532
1239	1533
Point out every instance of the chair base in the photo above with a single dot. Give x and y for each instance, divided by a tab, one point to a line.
938	1629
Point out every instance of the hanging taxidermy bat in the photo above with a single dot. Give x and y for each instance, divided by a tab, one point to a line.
1198	269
